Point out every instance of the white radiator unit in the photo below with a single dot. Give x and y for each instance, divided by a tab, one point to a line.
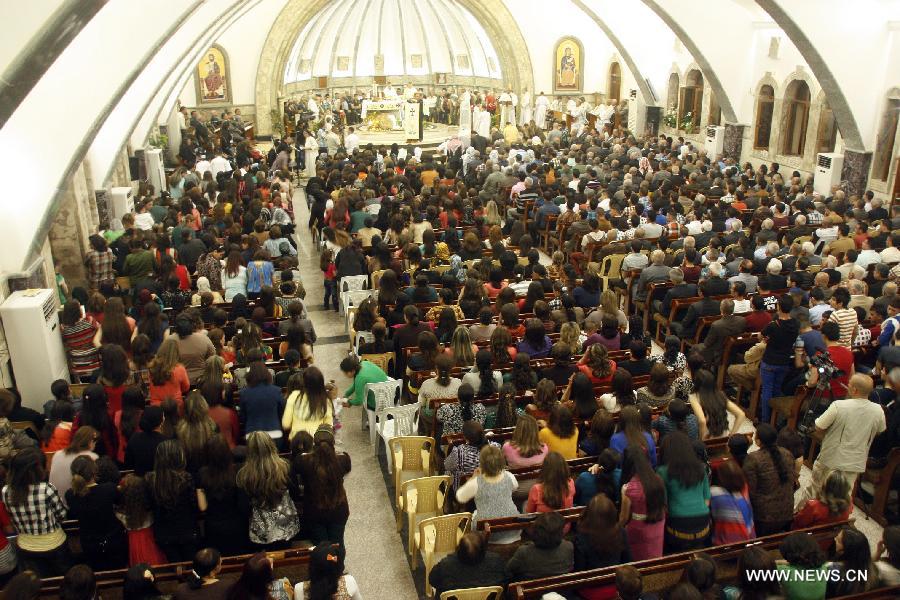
121	202
828	172
156	173
715	141
31	324
637	114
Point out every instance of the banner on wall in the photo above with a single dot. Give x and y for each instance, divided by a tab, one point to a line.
412	120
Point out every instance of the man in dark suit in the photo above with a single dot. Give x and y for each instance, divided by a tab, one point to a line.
200	129
687	327
730	324
679	289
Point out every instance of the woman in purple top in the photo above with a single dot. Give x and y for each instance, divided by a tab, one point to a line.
535	343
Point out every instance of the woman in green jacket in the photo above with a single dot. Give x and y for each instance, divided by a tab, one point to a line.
361	373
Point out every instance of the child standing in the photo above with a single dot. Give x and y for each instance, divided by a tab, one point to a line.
326	263
136	515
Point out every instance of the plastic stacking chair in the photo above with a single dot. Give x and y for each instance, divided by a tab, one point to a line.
411	456
482	593
352	283
438	537
362	337
353	298
421	497
397	421
382	360
386	395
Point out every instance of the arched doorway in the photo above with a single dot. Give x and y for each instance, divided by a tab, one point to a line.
826	136
690	104
765	108
615	82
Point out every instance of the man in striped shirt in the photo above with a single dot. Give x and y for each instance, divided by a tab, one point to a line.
845	317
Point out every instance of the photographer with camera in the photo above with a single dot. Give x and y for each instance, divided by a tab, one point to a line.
841	358
846	429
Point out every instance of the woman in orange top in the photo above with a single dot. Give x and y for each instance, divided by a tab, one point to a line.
555	489
596	364
168	377
57	433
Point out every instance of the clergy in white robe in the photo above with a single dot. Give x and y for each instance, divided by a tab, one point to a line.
507	111
390	92
525	110
483	125
311	152
541	106
465	110
313	107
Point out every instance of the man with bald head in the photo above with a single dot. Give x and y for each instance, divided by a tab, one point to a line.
846	429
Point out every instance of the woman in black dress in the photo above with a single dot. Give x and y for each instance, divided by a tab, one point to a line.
176	502
93	505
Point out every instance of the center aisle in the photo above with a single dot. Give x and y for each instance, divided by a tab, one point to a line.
375	555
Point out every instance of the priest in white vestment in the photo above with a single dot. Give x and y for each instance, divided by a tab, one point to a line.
313	107
506	108
541	106
390	92
465	110
525	112
311	152
483	125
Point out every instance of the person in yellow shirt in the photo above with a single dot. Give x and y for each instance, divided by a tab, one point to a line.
560	434
308	408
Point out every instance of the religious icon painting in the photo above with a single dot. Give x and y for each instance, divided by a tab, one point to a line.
343	63
305	65
415	60
212	79
568	67
462	61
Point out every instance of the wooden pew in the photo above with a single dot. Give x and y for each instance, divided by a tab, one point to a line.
661	573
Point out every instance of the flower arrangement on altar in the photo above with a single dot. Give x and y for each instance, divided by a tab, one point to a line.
687	122
670	119
379	122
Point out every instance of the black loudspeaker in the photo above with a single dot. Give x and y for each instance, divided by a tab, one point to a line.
134	168
654	116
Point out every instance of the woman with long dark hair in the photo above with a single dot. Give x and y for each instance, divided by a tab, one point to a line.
92	504
116	327
687	490
234	276
153	325
258	582
711	407
632	435
37	512
596	364
555	489
127	419
176	502
225	523
622	392
455	414
308	408
483	378
78	336
599	434
770	478
750	586
833	504
643	510
114	375
602	478
536	343
322	471
95	413
560	434
600	541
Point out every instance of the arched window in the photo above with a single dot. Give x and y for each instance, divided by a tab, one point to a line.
796	118
615	82
765	107
885	138
690	104
672	93
826	136
715	111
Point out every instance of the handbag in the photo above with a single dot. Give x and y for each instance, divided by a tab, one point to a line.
281	523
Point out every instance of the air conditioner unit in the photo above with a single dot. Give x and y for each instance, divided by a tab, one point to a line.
828	172
121	202
156	173
637	115
31	323
715	140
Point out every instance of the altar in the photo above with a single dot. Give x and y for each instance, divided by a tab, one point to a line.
383	115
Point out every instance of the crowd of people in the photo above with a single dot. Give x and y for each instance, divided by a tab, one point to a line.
188	298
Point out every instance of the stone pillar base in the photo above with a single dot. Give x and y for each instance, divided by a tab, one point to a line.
855	171
734	141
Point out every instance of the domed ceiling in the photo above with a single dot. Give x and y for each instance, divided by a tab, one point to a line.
362	38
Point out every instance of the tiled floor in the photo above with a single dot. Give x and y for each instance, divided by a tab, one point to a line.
375	554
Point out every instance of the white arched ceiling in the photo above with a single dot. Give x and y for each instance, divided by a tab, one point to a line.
438	30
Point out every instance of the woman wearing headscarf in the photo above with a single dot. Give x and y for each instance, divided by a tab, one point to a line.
203	286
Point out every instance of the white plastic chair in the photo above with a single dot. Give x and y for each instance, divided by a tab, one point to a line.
353	282
387	395
395	422
353	298
361	338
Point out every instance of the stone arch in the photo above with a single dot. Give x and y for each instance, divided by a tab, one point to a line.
643	86
708	73
498	22
843	115
801	75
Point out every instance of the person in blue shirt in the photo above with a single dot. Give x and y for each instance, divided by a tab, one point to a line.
262	403
601	478
631	434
